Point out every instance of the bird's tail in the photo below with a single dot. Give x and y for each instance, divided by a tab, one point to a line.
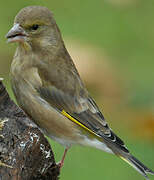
135	163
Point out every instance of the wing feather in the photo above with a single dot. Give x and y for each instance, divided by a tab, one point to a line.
81	110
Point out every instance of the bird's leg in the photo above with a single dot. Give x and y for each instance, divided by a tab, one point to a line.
61	163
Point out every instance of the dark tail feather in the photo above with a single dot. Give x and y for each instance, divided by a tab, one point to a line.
140	167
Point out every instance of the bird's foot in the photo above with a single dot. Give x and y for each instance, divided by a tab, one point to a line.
60	164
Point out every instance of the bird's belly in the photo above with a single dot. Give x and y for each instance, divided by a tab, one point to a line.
55	125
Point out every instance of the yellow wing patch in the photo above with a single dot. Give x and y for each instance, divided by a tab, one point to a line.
126	161
77	122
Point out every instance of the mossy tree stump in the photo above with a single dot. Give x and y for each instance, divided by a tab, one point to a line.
25	153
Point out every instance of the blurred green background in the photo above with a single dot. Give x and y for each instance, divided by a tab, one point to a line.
112	44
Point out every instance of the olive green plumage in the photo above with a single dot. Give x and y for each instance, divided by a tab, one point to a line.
49	89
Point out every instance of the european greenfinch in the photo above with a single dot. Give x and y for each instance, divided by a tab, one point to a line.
49	89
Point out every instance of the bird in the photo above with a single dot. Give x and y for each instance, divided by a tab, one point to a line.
48	87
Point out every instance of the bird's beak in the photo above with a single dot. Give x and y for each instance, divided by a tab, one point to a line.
16	34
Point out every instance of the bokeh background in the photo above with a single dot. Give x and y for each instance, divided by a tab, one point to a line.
112	44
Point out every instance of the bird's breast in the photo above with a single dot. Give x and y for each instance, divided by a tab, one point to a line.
24	84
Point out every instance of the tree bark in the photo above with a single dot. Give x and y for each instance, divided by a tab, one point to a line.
25	153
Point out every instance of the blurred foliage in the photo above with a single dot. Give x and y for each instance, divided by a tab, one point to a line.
111	42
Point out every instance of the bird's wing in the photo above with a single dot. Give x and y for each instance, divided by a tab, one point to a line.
85	113
82	111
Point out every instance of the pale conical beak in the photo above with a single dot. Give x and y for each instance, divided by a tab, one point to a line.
16	34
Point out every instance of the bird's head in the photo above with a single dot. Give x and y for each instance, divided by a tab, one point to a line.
34	26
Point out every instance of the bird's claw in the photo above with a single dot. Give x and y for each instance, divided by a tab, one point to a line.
60	164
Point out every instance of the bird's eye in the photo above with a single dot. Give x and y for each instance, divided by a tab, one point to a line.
35	27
